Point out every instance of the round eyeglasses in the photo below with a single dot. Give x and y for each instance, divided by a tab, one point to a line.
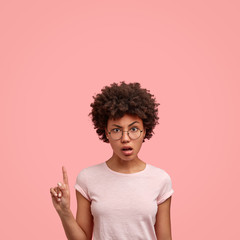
133	133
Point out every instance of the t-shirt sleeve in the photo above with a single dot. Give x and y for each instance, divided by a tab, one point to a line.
81	184
166	189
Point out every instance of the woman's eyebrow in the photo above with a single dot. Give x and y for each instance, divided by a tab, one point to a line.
128	125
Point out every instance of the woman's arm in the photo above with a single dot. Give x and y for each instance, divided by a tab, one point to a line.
163	221
61	201
72	230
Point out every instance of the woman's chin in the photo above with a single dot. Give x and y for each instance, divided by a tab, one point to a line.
127	157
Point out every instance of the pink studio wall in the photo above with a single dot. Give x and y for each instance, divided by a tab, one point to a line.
55	55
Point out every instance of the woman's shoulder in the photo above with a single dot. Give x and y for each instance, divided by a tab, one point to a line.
92	169
158	172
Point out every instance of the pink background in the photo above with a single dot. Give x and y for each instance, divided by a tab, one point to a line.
55	55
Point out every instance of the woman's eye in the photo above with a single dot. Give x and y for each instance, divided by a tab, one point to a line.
134	129
116	130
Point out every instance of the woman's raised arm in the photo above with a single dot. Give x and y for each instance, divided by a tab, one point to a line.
61	201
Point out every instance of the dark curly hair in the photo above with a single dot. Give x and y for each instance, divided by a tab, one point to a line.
116	100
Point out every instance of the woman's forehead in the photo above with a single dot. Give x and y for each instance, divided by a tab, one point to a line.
125	120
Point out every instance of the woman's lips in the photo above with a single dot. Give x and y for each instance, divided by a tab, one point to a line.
127	151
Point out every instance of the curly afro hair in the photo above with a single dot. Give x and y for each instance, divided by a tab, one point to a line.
115	101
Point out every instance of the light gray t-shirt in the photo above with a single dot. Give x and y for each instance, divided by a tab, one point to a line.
124	206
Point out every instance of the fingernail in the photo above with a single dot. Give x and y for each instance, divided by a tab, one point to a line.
59	194
59	184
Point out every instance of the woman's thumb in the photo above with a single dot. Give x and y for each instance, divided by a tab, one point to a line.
63	188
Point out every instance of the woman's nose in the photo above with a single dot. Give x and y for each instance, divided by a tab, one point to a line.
125	137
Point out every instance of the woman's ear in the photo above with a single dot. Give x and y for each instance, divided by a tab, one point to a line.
106	133
145	130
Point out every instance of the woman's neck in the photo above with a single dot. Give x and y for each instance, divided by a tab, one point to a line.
124	166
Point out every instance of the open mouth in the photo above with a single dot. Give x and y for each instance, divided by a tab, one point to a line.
127	149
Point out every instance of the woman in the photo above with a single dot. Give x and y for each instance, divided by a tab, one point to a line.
123	198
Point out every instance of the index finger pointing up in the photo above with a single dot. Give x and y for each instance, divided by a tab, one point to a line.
65	177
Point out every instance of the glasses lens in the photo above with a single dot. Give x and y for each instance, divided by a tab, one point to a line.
134	133
116	134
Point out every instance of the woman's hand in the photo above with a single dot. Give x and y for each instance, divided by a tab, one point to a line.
61	195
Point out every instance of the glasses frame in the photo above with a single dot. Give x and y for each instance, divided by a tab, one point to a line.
127	133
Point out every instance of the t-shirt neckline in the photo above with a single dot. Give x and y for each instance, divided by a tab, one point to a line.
125	174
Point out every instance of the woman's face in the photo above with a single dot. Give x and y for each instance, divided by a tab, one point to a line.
125	148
